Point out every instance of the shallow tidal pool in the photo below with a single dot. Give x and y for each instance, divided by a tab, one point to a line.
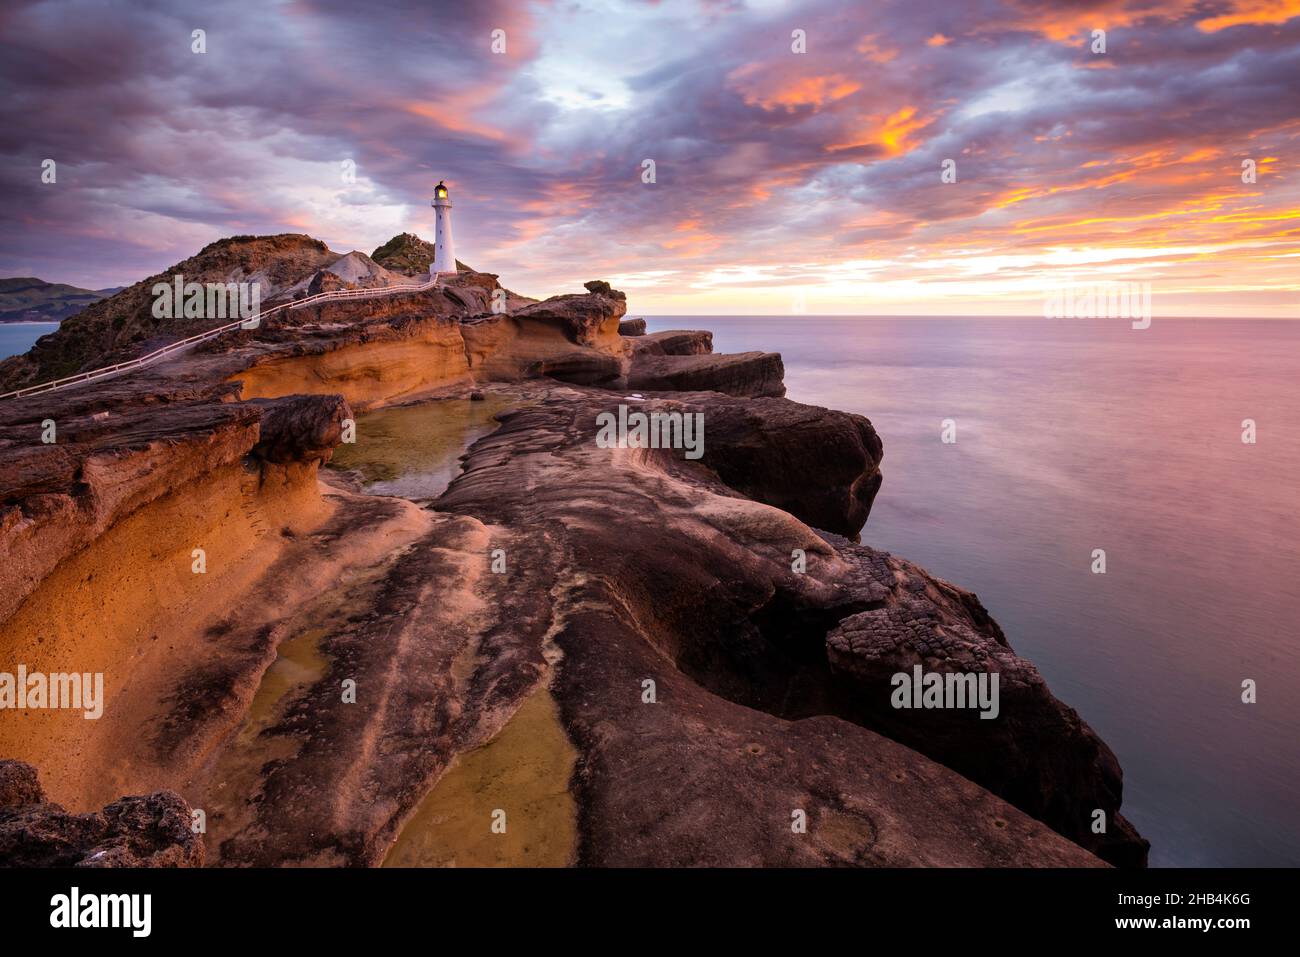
413	451
518	780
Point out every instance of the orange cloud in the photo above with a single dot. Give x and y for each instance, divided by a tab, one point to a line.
692	242
1071	24
1251	11
454	112
892	134
760	86
938	40
869	46
762	190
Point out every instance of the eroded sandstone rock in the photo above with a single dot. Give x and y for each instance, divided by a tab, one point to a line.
570	338
149	831
300	428
601	287
675	342
820	465
626	565
19	785
1037	753
696	591
742	374
587	320
57	498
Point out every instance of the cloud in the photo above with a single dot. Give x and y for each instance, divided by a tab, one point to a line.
824	160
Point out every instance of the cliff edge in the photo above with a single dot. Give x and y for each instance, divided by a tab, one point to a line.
716	645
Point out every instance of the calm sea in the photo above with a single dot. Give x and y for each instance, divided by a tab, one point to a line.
18	337
1076	435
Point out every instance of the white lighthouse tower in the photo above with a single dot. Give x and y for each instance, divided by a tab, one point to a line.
444	250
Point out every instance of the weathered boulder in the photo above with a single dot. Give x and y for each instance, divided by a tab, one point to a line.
631	327
571	338
741	374
300	428
487	282
149	831
820	465
326	281
1035	752
586	320
675	342
602	288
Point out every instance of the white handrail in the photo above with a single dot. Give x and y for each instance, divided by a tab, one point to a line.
174	347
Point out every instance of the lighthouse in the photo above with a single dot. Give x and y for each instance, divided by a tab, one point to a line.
444	250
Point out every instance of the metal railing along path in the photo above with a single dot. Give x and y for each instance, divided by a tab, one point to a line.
174	348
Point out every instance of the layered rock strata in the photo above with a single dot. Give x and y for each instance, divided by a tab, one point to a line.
339	650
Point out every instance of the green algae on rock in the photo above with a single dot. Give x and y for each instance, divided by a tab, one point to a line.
522	777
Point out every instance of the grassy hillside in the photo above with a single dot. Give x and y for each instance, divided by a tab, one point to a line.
28	299
124	325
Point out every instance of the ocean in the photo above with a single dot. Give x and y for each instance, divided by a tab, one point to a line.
1075	435
17	337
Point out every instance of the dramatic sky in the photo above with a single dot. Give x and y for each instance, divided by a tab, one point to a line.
785	181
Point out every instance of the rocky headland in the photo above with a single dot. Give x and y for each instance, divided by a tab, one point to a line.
28	299
677	657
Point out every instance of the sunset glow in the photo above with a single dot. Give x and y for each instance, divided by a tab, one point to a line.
781	177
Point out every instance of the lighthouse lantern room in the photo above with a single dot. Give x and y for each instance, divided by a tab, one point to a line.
444	250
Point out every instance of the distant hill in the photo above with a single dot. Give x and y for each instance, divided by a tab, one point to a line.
408	254
28	299
123	324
